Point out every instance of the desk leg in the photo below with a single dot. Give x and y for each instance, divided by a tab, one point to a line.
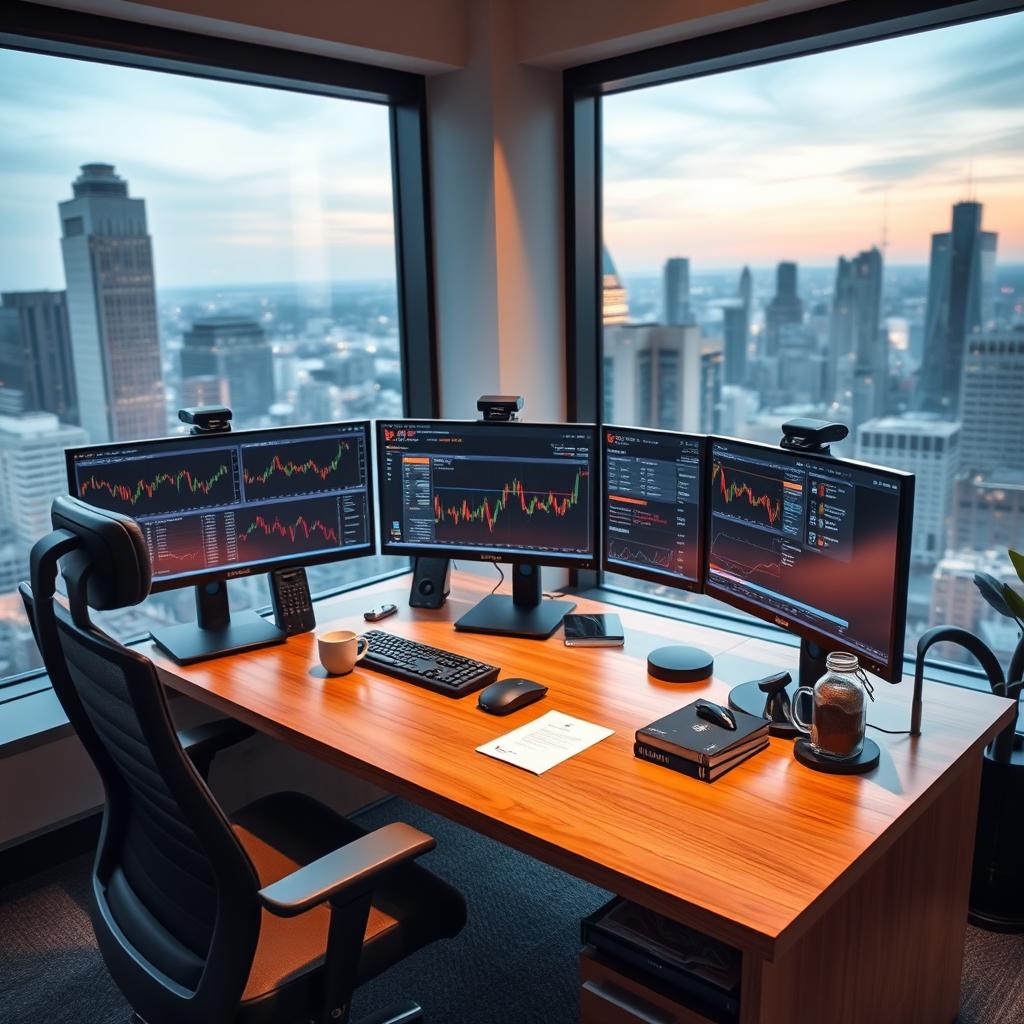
891	950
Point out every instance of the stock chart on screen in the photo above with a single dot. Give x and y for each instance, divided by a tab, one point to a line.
512	488
806	541
232	503
652	504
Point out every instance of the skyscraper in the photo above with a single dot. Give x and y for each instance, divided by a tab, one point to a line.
676	283
234	348
990	402
111	302
746	289
46	367
736	329
960	296
614	305
784	308
858	347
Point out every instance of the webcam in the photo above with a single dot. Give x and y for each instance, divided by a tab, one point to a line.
500	407
811	436
207	419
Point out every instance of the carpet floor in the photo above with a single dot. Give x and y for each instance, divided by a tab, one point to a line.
514	962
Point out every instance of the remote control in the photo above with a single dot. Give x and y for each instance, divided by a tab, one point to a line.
293	607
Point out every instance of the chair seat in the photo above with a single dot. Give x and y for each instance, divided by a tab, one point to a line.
411	908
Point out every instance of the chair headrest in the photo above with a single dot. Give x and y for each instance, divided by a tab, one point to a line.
120	570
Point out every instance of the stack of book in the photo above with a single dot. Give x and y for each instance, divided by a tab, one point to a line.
701	749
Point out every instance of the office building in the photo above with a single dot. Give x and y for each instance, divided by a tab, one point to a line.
13	564
801	366
930	448
12	377
45	362
990	403
111	304
205	389
858	346
235	348
961	292
676	286
735	331
746	289
32	471
660	376
784	309
988	511
614	303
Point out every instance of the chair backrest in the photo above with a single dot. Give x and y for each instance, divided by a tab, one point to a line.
176	908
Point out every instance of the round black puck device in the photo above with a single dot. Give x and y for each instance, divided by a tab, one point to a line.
678	664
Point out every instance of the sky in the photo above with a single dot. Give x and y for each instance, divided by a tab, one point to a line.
807	159
242	184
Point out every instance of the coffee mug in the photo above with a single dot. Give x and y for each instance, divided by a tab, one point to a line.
340	649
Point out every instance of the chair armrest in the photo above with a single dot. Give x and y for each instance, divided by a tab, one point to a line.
350	867
202	742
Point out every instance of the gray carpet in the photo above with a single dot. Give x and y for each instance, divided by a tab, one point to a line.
514	962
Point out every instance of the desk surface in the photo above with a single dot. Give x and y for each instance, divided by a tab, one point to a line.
754	858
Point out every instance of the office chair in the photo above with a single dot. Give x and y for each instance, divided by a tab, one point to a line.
271	916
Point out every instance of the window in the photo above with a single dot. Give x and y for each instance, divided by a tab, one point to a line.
175	240
841	228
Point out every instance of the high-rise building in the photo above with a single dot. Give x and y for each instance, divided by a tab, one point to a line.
676	283
990	402
234	348
784	308
801	367
12	370
928	447
32	471
46	366
858	350
661	376
614	303
735	329
111	304
205	389
746	289
961	290
987	513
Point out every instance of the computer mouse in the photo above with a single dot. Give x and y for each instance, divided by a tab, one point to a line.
508	695
716	713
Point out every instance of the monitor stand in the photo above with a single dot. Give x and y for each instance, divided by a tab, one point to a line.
750	698
215	632
526	614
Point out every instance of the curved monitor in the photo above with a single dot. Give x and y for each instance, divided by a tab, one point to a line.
651	505
817	545
501	492
220	506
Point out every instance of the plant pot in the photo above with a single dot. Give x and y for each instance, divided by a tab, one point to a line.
997	879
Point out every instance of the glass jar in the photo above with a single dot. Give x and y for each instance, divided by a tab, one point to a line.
839	707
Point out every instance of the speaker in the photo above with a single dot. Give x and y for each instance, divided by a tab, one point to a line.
431	582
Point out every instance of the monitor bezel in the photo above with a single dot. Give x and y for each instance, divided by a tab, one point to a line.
161	585
691	586
892	669
549	558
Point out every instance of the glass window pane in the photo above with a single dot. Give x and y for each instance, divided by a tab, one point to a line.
172	241
839	236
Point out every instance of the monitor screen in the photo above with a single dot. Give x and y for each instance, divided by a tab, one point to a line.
498	491
817	545
652	510
227	505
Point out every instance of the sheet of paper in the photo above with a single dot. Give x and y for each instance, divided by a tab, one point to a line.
545	742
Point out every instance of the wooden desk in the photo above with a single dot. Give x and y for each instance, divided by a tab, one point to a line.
847	896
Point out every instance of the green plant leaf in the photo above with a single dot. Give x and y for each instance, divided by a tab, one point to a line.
1018	562
1014	601
992	590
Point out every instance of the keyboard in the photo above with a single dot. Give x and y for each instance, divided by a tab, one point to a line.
429	667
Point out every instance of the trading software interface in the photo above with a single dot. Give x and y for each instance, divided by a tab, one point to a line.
514	488
808	541
231	501
652	512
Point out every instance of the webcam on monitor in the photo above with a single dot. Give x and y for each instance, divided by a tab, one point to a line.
499	408
815	436
206	419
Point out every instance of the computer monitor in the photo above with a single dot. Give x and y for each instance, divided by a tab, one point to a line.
219	506
502	492
652	505
815	544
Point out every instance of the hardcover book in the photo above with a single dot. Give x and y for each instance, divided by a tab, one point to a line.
685	735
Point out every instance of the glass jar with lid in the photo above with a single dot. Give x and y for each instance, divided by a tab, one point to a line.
839	708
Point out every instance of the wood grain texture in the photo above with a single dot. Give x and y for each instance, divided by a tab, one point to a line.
707	855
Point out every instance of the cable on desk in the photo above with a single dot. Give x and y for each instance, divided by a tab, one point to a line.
501	574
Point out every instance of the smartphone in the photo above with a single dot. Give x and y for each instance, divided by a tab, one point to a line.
599	630
382	611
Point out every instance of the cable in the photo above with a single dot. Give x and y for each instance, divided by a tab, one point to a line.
501	574
891	732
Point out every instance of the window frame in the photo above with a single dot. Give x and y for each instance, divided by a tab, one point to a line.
834	26
59	32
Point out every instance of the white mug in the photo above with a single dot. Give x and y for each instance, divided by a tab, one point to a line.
340	649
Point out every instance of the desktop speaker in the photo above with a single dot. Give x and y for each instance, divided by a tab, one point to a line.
431	582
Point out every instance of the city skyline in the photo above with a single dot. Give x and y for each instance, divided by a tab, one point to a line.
808	158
